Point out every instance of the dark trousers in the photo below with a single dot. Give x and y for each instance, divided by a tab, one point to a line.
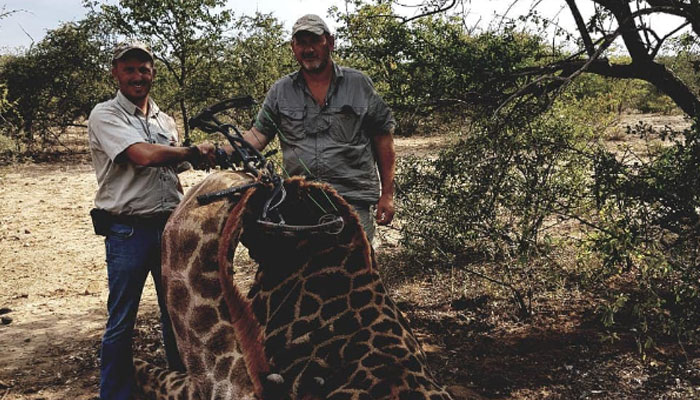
133	250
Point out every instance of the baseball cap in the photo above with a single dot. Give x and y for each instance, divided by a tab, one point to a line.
312	23
125	47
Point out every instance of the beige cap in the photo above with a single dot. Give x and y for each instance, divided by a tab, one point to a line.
125	47
311	23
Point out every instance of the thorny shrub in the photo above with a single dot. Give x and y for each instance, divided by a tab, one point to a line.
491	203
647	239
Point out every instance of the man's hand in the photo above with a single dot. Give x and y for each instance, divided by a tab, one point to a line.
385	210
207	155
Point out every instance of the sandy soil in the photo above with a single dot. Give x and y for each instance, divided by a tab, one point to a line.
53	294
53	289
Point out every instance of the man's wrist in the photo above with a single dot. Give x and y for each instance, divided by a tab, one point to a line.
193	154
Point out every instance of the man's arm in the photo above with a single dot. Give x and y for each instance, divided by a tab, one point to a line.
156	155
386	161
256	138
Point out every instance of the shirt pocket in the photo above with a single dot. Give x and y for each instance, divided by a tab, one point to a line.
346	123
292	123
162	137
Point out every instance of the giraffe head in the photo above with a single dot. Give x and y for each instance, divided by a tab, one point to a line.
329	329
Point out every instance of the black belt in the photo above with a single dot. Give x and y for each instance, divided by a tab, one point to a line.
142	220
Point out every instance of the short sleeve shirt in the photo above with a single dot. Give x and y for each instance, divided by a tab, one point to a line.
124	187
332	142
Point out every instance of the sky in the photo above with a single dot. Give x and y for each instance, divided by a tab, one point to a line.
35	17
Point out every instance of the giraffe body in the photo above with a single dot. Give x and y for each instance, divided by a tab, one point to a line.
317	314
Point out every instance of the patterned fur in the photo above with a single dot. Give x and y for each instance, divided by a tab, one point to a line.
317	314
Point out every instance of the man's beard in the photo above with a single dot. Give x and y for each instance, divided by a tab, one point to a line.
314	66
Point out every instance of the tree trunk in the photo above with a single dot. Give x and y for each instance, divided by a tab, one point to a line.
185	117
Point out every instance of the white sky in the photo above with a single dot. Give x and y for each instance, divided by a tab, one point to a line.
37	16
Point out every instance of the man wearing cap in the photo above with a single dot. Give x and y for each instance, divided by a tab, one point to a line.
134	152
332	125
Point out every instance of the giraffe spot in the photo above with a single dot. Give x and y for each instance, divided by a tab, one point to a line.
379	299
321	261
221	341
412	363
356	261
346	324
239	374
208	254
187	244
411	395
360	381
275	345
178	296
223	311
204	318
308	306
303	327
195	365
380	390
387	326
223	365
331	351
209	288
368	316
334	308
362	280
285	293
211	225
355	351
283	313
360	299
381	341
329	285
388	371
388	312
396	351
375	359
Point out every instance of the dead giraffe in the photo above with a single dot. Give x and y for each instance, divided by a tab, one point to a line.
317	323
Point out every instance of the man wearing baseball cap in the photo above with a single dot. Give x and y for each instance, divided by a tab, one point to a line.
135	155
332	125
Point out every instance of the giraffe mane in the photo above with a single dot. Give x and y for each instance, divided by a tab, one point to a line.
246	327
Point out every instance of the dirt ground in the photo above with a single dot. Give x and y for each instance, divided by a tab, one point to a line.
53	295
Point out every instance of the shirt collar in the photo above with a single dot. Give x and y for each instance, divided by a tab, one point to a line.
131	108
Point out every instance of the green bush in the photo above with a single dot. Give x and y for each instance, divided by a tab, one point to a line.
489	203
647	238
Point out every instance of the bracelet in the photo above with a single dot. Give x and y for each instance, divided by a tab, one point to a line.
194	154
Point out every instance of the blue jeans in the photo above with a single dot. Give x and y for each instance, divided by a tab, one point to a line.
132	252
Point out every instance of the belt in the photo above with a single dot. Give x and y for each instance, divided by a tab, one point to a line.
142	220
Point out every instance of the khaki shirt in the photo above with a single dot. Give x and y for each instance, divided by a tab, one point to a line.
123	187
333	142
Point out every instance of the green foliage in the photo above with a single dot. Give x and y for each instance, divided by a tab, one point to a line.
648	229
489	201
624	95
187	37
433	63
258	55
55	83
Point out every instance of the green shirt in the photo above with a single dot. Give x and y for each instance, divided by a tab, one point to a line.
332	142
124	187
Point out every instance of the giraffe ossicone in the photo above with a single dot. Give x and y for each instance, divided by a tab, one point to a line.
317	322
